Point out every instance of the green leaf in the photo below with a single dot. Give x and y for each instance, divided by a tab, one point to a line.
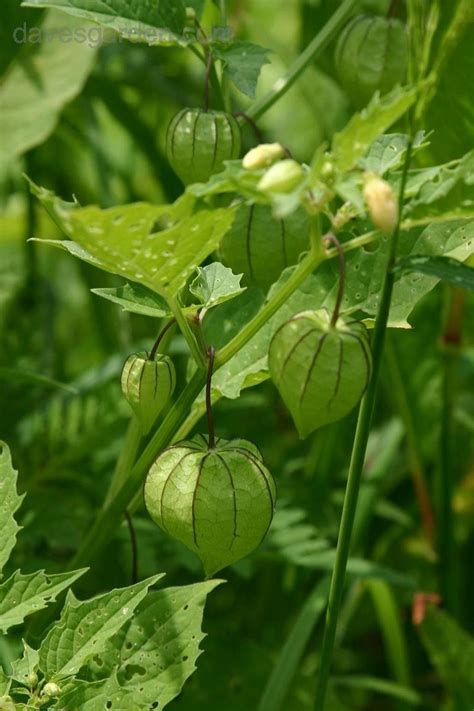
243	62
152	21
85	627
444	268
158	246
136	299
290	656
10	502
451	651
26	665
5	682
22	595
154	654
215	284
387	152
352	143
36	88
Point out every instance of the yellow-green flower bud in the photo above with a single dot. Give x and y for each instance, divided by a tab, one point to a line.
263	155
381	202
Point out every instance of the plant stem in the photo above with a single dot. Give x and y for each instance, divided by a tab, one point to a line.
342	277
303	270
358	457
316	46
186	330
127	457
210	418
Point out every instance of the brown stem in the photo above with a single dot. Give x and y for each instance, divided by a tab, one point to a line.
252	124
161	335
342	276
210	419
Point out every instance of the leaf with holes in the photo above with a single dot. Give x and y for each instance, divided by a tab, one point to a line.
85	627
156	652
9	503
136	299
22	595
26	666
388	151
147	21
158	246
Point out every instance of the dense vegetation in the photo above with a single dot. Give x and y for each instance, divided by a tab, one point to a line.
236	276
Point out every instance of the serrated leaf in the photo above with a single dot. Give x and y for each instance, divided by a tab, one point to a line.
243	62
351	144
36	88
215	284
444	268
152	21
22	595
10	502
26	665
158	246
152	657
451	651
85	627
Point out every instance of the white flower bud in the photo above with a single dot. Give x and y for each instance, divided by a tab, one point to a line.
283	177
263	155
32	679
381	202
51	689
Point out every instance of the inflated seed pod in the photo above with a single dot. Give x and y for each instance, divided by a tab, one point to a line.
147	386
219	502
371	55
198	142
260	247
320	370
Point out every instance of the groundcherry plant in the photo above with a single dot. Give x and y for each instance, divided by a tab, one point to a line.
258	262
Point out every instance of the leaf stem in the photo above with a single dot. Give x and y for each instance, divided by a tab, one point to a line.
315	47
358	457
342	276
210	418
186	330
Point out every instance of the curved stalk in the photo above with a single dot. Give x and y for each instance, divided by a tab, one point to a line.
358	457
186	330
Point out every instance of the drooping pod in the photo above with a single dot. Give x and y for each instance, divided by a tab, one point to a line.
218	501
321	370
147	386
260	247
371	55
198	142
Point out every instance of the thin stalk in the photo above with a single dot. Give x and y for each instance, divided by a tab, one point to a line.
133	546
209	65
251	123
315	47
158	341
342	276
186	330
210	417
358	457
